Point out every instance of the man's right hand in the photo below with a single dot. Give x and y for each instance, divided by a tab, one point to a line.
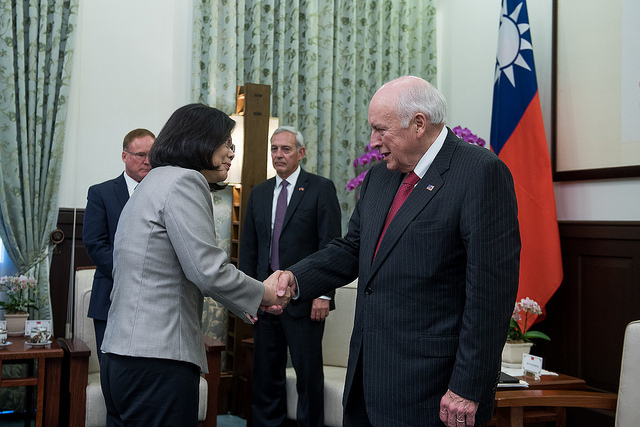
275	299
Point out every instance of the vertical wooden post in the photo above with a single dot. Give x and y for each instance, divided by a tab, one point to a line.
257	100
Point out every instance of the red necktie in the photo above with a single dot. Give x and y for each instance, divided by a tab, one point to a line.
403	192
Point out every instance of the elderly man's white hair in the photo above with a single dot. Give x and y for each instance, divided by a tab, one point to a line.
417	95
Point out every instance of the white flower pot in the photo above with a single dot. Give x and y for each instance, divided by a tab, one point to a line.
15	323
512	353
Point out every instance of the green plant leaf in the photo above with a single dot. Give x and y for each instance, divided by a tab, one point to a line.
529	335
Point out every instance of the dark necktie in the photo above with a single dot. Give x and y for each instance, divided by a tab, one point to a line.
281	210
403	192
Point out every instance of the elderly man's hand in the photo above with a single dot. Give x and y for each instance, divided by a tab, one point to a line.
456	411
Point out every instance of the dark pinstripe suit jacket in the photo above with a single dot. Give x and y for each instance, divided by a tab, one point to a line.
433	308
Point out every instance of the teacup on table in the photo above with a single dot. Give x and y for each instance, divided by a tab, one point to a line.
39	335
3	336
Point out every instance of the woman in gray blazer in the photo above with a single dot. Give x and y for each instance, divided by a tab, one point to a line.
165	261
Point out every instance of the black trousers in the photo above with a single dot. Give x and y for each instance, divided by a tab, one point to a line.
149	392
272	335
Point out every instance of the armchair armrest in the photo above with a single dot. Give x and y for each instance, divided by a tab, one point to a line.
75	371
214	349
76	347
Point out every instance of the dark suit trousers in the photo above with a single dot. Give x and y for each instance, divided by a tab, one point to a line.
355	413
272	334
148	392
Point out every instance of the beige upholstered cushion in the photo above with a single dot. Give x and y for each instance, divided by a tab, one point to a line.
83	326
338	327
96	415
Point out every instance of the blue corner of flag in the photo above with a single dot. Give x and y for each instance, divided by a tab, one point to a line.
515	82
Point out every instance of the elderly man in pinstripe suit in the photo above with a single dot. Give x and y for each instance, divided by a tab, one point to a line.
435	244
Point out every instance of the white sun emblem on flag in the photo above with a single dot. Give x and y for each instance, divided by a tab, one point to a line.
510	43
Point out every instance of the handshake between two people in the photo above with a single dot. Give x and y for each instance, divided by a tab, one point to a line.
279	288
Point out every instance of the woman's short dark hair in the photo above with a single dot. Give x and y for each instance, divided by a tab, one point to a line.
190	137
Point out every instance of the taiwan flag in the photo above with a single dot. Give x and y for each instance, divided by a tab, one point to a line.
518	137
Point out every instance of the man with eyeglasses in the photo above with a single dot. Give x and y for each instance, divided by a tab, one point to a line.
104	205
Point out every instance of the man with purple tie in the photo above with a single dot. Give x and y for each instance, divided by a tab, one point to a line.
288	217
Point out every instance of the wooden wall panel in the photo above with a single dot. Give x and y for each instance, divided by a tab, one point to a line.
599	296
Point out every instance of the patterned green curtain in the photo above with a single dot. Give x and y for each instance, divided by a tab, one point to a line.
214	317
35	63
323	61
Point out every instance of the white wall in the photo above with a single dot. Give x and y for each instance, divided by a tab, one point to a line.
132	69
467	46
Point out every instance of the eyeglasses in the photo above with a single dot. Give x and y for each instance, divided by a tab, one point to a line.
139	155
230	145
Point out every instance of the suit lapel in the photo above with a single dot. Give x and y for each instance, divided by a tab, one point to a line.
417	201
121	190
383	191
266	201
299	188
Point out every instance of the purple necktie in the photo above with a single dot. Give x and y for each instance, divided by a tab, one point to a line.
281	209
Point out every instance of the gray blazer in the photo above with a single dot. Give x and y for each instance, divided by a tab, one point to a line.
165	260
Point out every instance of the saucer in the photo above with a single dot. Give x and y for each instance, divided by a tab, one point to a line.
6	344
38	344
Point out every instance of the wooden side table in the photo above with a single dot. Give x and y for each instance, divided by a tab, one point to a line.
517	415
47	380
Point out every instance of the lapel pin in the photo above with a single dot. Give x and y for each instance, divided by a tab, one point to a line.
430	187
300	188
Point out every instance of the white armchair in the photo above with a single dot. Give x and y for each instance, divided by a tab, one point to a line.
335	353
86	403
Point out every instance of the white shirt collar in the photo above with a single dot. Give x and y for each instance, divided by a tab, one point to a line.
131	183
428	157
291	179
